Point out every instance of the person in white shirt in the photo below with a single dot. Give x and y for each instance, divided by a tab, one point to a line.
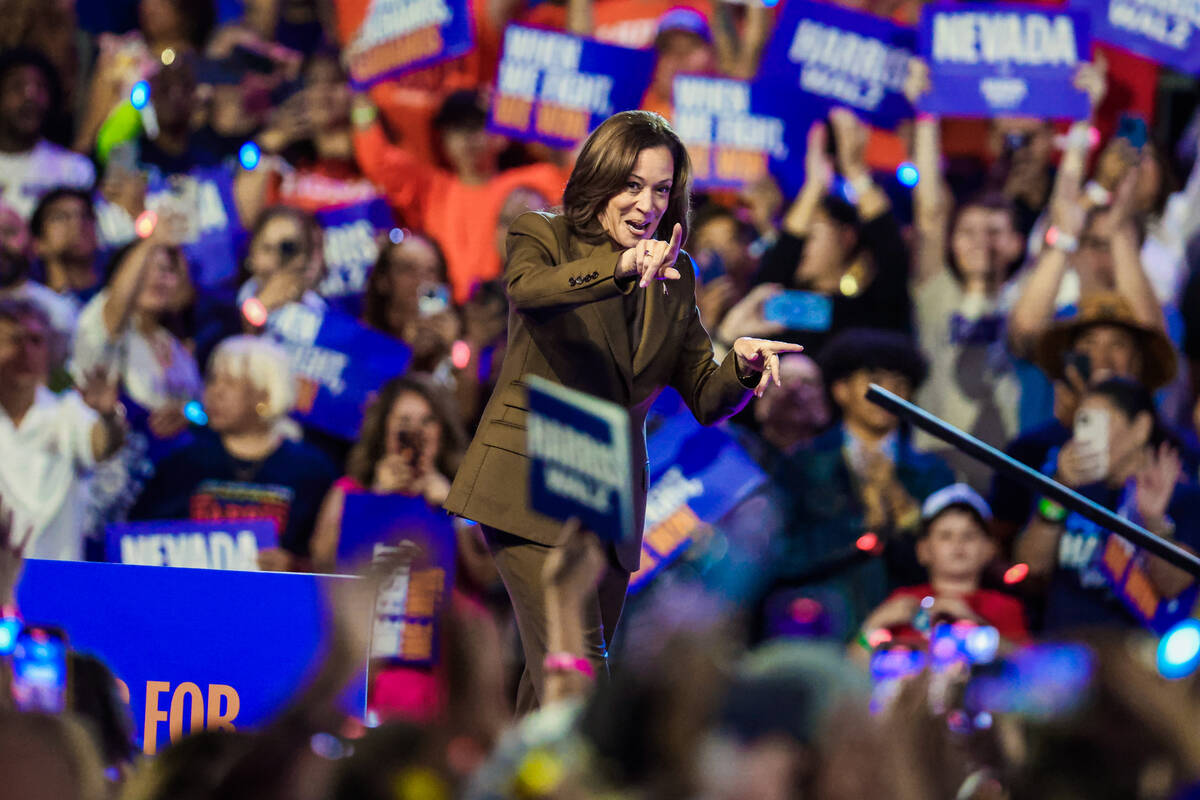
48	443
30	165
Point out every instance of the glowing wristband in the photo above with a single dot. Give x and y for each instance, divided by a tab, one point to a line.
1051	511
1061	241
362	116
254	311
565	662
862	641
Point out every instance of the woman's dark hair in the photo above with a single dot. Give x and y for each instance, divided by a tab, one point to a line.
1131	399
375	298
605	163
371	444
845	214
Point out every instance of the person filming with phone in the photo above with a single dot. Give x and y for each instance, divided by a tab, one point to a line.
1120	456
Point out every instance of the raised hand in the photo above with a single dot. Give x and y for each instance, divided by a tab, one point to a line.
1155	484
12	553
762	355
818	169
100	392
850	139
654	259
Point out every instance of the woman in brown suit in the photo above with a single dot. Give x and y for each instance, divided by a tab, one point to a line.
589	308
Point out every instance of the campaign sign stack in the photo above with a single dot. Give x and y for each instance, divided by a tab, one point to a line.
697	476
412	597
554	88
994	60
351	247
1164	30
195	649
730	145
578	446
323	345
387	38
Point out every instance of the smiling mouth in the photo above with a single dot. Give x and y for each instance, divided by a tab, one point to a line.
638	228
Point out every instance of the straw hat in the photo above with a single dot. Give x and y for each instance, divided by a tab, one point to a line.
1108	308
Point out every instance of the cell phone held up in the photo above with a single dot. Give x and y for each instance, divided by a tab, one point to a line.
39	669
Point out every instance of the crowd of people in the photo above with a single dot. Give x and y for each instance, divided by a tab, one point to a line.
1038	287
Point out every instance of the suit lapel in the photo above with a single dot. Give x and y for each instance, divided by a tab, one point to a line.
653	327
609	316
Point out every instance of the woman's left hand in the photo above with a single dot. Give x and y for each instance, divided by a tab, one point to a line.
1156	483
761	355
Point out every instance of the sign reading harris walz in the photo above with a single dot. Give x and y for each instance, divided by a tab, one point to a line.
837	57
987	60
1164	30
730	145
554	88
578	446
387	38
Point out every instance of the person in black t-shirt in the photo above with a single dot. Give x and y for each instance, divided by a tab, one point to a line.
245	466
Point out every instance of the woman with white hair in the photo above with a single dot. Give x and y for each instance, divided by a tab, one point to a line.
246	464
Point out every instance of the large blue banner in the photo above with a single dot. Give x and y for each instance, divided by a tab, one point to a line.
578	446
232	544
697	475
836	57
555	88
989	60
410	600
339	363
1164	30
387	38
729	143
351	248
195	648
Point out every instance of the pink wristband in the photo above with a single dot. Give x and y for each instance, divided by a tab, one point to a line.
565	662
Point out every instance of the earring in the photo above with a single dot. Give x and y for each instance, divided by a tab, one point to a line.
262	409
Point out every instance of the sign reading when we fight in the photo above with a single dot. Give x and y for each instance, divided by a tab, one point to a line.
387	38
838	57
988	60
578	447
730	146
1164	30
555	88
230	544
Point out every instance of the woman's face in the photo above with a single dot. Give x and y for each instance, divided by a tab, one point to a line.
410	265
327	95
166	284
232	403
412	418
279	245
971	243
721	235
825	250
633	214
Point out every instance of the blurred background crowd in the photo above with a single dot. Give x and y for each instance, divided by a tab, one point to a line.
1038	286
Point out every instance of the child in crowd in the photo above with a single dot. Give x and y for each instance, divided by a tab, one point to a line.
954	546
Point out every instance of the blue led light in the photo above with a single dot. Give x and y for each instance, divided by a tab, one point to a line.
249	155
195	413
139	96
9	628
907	174
1179	650
396	235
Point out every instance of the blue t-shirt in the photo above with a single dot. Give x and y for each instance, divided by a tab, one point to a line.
1079	593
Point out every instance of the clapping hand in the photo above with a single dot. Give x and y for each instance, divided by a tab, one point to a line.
1156	484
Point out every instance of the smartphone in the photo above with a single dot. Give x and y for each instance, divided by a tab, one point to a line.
1091	440
1082	363
800	311
433	298
247	59
1016	141
217	72
39	669
10	629
1132	129
409	441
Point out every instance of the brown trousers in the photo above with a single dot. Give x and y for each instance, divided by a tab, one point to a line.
520	563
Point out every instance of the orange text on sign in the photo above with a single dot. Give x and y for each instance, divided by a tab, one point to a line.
187	709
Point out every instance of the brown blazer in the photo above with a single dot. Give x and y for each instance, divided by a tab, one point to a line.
566	323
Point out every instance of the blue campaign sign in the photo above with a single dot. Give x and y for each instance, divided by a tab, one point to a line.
987	60
729	143
555	88
837	57
196	648
387	38
410	600
339	363
230	544
697	475
1164	31
351	235
578	446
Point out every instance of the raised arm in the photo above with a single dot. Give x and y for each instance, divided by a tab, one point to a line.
405	178
129	274
931	200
